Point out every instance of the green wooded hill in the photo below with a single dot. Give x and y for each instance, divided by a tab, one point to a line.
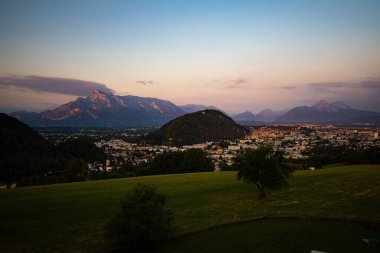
71	217
23	151
197	127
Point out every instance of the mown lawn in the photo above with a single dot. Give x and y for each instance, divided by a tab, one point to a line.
277	235
72	216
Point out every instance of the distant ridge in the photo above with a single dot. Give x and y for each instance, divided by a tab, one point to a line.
189	108
197	127
265	116
101	109
244	116
268	115
325	112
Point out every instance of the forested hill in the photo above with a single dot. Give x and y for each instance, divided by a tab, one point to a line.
23	151
24	154
197	127
14	133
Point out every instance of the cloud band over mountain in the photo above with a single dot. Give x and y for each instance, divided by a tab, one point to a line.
66	86
146	82
367	84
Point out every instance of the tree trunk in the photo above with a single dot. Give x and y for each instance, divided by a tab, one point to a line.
262	192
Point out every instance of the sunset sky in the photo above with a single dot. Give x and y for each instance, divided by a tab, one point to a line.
236	55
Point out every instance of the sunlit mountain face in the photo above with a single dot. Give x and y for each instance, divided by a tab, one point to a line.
106	109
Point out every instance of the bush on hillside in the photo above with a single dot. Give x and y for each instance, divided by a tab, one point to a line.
142	219
224	166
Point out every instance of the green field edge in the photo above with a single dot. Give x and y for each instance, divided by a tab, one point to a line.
258	218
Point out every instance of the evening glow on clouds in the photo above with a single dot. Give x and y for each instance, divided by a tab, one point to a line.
236	55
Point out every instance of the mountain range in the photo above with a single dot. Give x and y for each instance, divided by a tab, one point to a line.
265	116
325	112
101	109
106	109
189	108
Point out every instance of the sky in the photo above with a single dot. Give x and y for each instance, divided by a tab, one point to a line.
236	55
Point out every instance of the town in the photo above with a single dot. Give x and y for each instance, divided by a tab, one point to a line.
123	145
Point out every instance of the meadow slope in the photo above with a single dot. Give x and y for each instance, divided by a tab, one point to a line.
72	216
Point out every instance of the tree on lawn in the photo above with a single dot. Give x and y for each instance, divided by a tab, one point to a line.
263	167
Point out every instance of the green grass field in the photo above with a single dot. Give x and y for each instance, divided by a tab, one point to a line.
68	217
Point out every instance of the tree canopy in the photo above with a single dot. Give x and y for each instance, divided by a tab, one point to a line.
192	160
82	148
263	167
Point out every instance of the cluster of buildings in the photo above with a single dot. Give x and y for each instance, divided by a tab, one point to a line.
293	140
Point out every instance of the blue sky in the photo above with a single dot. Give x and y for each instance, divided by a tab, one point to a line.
238	55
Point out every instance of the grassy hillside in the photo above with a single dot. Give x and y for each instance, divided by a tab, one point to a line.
72	216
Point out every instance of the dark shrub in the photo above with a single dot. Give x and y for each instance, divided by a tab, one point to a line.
142	219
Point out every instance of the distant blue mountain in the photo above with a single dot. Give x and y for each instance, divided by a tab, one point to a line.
189	108
324	112
264	116
246	116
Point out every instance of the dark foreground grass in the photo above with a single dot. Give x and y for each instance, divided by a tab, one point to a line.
278	235
70	217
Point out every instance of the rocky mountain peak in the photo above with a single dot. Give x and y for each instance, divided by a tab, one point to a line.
266	112
98	95
323	105
100	99
320	105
